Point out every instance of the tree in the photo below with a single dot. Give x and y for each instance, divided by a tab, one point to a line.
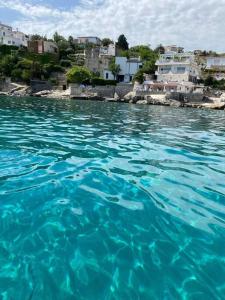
78	75
36	37
7	64
139	76
122	43
57	38
209	81
106	42
114	68
160	49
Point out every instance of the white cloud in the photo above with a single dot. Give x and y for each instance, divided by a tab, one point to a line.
190	23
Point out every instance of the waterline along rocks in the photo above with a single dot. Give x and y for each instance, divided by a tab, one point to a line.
103	69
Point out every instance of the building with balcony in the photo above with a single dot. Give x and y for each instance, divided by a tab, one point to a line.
12	38
215	67
173	48
177	67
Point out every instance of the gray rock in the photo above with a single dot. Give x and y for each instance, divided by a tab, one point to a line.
42	93
142	102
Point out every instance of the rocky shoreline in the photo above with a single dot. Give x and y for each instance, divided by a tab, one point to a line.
163	100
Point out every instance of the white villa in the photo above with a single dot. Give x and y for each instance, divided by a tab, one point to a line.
128	68
177	67
12	38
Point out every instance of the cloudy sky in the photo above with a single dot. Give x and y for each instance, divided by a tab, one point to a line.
194	24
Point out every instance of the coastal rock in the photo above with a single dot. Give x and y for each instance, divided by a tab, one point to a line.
42	93
218	105
142	102
129	96
3	94
116	97
175	103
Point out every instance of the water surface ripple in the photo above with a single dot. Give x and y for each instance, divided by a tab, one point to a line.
107	201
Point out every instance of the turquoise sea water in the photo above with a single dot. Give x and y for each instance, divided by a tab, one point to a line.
107	201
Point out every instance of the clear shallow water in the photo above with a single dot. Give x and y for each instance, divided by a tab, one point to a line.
108	201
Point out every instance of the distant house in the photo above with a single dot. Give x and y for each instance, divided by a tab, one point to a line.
216	67
40	47
12	38
173	48
128	68
217	62
88	40
177	67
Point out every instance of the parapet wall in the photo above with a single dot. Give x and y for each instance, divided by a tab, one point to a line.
189	97
107	91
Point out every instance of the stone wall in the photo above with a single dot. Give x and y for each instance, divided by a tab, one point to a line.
189	97
123	89
39	85
107	91
149	93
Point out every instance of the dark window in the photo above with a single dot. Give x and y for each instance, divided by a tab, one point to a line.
107	75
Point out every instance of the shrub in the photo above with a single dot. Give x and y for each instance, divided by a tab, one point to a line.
17	74
5	49
26	75
103	82
65	63
78	75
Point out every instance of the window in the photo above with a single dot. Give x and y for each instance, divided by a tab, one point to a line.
181	70
165	70
107	75
3	33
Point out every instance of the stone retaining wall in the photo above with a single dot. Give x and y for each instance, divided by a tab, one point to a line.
39	85
107	91
189	97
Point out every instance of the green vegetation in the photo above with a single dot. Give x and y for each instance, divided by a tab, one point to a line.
122	43
114	68
101	81
215	84
106	42
78	75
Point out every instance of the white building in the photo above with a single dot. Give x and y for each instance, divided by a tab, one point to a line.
108	50
177	67
216	67
128	68
88	40
12	38
173	48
